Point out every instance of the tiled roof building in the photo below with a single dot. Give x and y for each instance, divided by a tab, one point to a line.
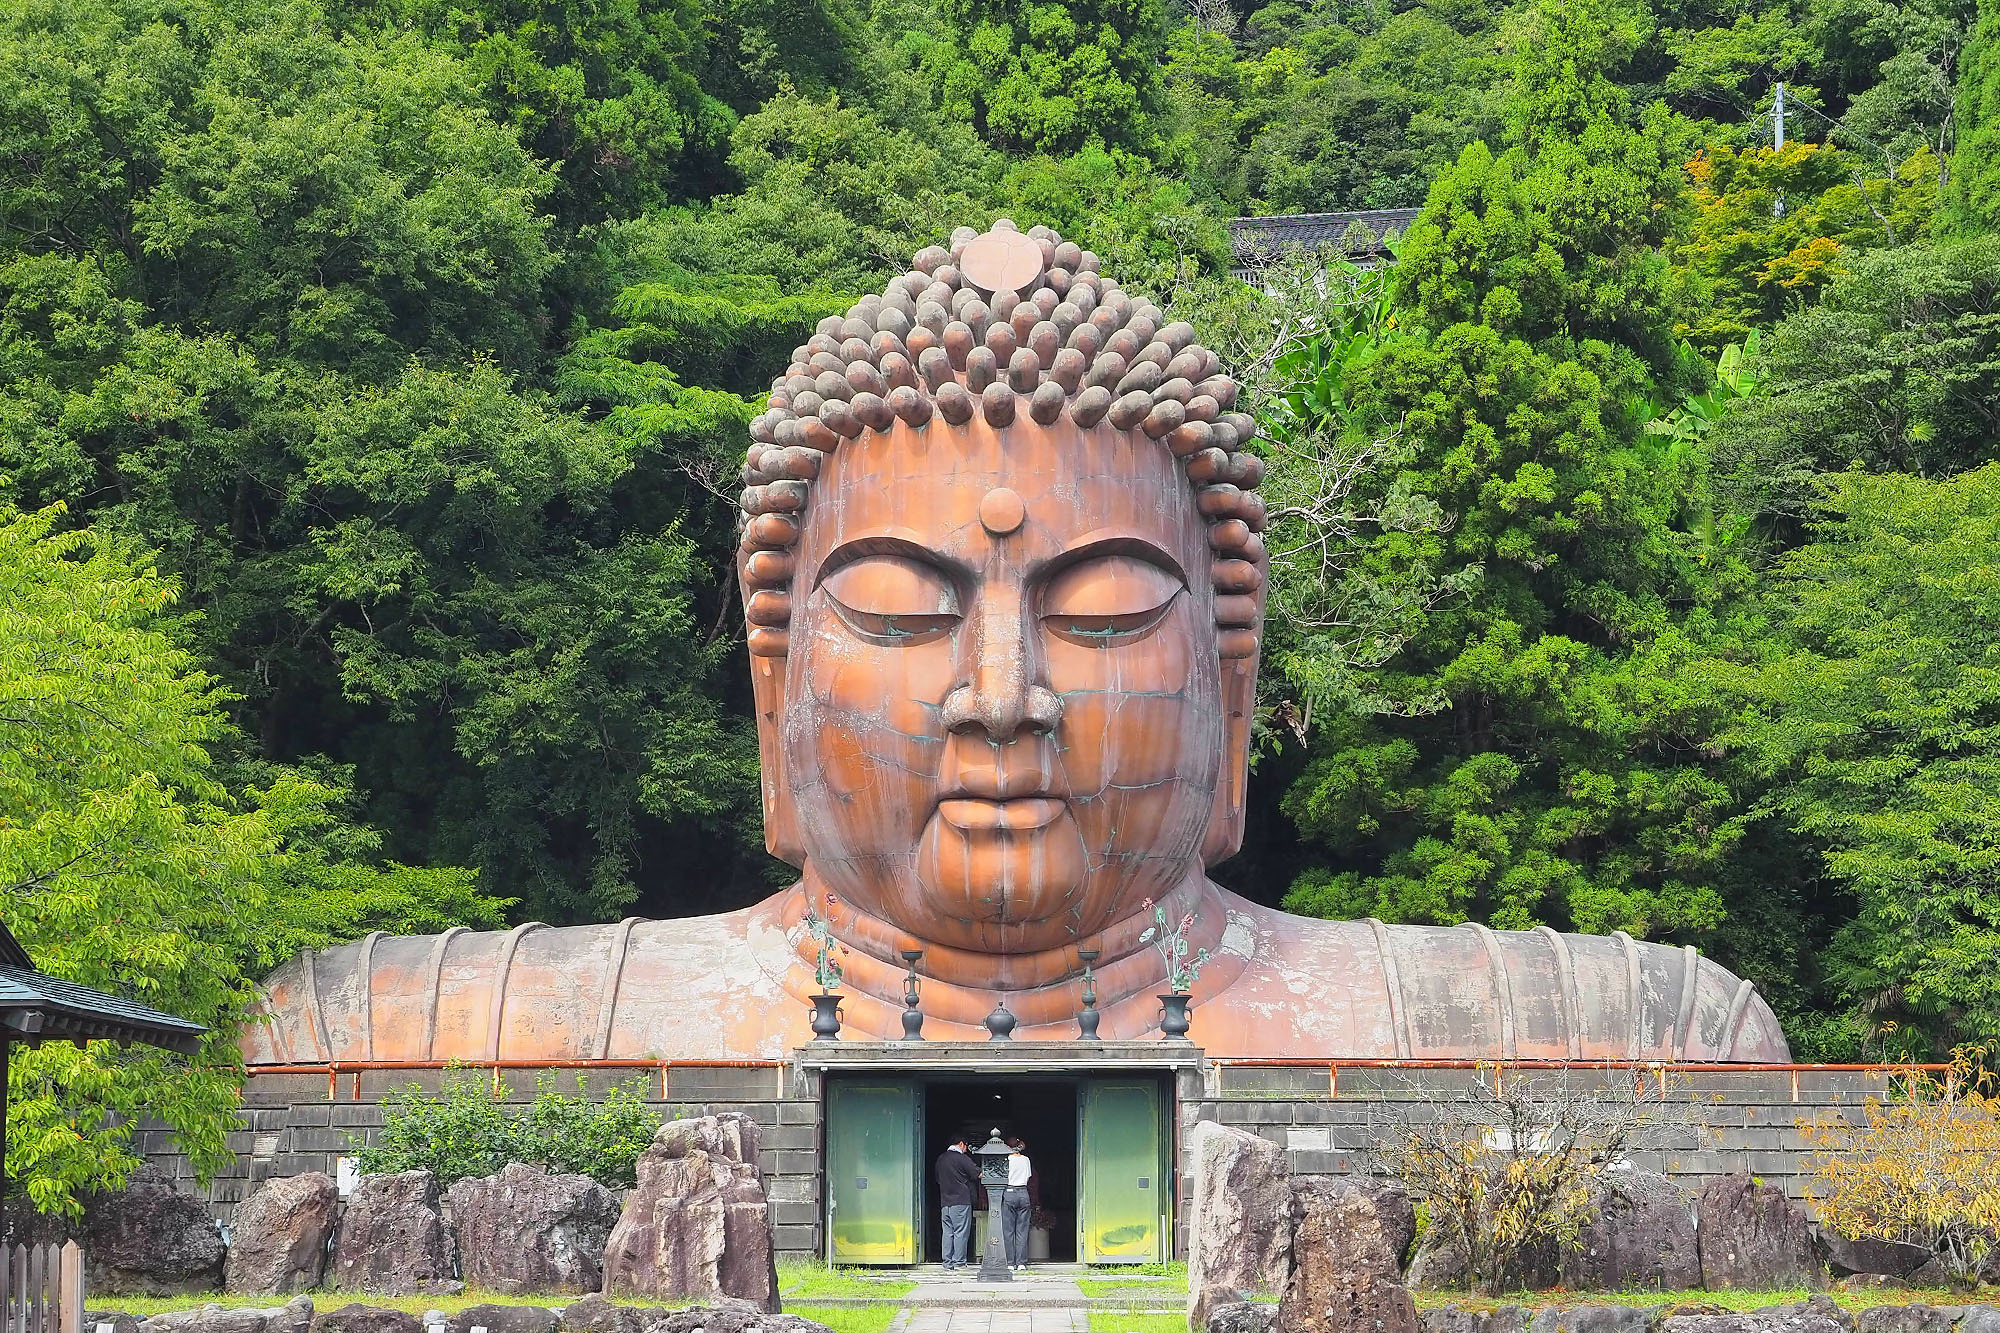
1364	235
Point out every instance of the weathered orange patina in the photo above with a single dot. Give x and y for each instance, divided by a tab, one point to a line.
1004	580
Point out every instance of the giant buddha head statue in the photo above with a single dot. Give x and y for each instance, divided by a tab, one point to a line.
1002	569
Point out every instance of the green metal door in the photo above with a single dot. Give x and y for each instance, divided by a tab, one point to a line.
871	1173
1124	1196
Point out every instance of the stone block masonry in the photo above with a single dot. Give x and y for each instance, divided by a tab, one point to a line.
289	1126
1325	1118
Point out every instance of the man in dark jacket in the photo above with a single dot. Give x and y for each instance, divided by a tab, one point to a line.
957	1182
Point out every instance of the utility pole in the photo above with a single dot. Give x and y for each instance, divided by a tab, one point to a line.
1778	143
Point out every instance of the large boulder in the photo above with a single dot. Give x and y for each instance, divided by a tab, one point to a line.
149	1239
748	1267
1454	1319
1979	1319
295	1317
278	1236
1364	1304
1440	1264
732	1316
1348	1239
1592	1319
697	1226
1818	1315
504	1319
1905	1319
1751	1236
594	1314
1639	1235
527	1229
1239	1317
393	1240
1345	1228
365	1319
1240	1225
1869	1254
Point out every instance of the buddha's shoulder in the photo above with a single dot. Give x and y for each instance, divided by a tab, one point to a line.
1364	989
533	992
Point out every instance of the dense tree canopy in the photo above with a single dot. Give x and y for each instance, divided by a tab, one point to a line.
374	375
131	860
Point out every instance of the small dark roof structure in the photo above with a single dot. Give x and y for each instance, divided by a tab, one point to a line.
1363	235
35	1007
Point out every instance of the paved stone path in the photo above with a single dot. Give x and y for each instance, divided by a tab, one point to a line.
1053	1320
1045	1299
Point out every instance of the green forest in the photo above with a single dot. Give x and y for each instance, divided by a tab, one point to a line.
375	376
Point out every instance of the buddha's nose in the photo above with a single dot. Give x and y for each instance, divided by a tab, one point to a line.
998	691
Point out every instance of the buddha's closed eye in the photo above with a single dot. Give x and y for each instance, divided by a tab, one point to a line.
897	601
893	600
1107	599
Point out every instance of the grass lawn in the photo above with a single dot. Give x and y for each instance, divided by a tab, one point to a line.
806	1280
847	1318
1123	1286
1106	1322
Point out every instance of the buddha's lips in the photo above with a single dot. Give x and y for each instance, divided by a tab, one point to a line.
980	814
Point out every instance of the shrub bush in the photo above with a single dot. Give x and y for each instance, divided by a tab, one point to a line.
467	1130
1925	1169
1502	1173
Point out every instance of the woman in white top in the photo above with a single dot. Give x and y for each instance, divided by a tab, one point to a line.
1017	1207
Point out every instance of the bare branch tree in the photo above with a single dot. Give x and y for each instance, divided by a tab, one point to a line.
1325	486
1507	1167
1214	16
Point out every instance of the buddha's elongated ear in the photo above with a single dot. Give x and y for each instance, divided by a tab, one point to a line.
781	818
1239	709
763	572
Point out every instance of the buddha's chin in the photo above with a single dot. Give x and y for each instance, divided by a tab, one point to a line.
1002	889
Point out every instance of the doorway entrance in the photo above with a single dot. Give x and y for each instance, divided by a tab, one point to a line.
1040	1112
1101	1148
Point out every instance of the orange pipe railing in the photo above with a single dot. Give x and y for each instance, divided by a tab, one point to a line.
1640	1067
333	1069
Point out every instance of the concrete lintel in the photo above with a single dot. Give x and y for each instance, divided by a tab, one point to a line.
983	1057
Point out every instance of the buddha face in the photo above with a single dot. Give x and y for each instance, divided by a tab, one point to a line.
1003	712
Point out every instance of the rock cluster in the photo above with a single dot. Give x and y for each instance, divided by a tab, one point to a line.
1345	1256
697	1226
593	1314
1817	1315
1333	1246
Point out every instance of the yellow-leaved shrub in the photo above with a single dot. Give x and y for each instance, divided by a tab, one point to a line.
1924	1168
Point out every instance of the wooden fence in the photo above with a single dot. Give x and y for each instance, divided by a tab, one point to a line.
41	1289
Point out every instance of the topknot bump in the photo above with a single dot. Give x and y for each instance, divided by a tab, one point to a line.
1003	260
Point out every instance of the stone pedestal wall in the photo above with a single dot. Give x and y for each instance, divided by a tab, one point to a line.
1750	1121
289	1126
1325	1118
